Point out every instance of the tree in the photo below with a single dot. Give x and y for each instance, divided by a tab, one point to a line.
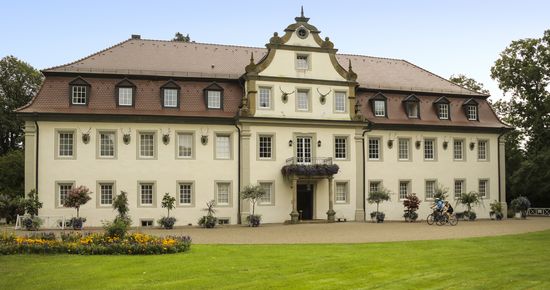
77	197
253	193
379	196
469	199
19	82
168	202
179	37
469	83
32	204
523	71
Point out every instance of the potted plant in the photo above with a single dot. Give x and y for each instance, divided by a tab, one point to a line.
253	193
77	197
377	197
209	220
119	227
168	202
469	199
520	205
440	192
411	204
32	205
496	210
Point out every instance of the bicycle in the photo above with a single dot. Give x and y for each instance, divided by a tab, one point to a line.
440	219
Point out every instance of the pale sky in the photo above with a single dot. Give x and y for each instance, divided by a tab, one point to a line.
444	37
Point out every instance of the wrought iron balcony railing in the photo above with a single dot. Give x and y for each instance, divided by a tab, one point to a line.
309	161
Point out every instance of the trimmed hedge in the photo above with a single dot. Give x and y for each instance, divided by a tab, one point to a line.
94	244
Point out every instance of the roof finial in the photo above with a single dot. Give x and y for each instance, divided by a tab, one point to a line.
252	57
302	11
302	18
349	64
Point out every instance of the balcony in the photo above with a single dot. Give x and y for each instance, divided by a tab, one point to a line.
309	167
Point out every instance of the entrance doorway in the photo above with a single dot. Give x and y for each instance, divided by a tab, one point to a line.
305	201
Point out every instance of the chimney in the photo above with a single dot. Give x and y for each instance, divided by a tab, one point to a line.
136	36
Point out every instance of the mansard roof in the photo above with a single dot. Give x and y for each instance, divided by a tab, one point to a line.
201	60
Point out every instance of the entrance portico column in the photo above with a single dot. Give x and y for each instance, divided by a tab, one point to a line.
330	213
294	214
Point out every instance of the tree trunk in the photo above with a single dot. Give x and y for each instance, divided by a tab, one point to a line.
77	209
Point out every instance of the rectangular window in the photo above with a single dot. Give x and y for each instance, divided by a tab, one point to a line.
340	147
459	188
374	148
458	150
444	111
413	110
170	98
125	96
379	108
268	188
214	99
302	62
147	145
429	149
404	149
483	188
223	147
404	189
185	193
430	189
222	194
63	191
303	100
265	98
482	150
472	113
146	223
340	102
185	145
78	95
106	194
341	192
146	193
303	150
265	150
374	186
107	144
66	144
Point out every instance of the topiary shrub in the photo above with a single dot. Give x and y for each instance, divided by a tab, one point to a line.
209	220
521	204
378	197
77	197
168	202
411	204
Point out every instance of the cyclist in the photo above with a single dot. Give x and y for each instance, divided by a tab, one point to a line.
448	209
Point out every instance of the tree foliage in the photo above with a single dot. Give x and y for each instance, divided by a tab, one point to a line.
469	83
32	204
379	196
179	37
12	174
19	82
523	72
77	197
253	193
168	202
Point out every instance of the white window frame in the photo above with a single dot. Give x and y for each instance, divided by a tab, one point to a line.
485	190
125	96
223	153
265	101
141	144
214	99
379	108
79	94
455	151
102	145
341	197
429	149
472	112
268	198
303	61
375	185
404	189
374	149
443	111
65	150
141	192
429	189
340	102
462	183
183	152
265	148
482	154
102	193
170	98
341	148
404	149
185	188
413	110
63	188
300	101
227	202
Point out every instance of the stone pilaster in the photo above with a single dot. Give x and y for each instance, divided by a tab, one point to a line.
294	214
30	156
502	172
359	176
245	169
330	213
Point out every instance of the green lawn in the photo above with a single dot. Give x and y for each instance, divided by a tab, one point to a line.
509	262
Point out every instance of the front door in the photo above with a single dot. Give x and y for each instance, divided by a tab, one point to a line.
303	150
305	201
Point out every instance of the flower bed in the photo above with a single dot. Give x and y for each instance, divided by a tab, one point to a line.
93	244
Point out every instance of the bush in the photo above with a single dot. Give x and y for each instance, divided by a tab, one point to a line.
167	222
208	221
31	223
411	204
95	244
254	220
117	228
496	210
521	204
48	236
378	216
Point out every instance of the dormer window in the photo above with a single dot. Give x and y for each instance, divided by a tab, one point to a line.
471	110
302	61
213	96
79	92
443	108
378	104
170	95
412	106
125	93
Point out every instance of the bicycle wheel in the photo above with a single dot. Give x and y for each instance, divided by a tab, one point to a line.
430	219
440	220
453	221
